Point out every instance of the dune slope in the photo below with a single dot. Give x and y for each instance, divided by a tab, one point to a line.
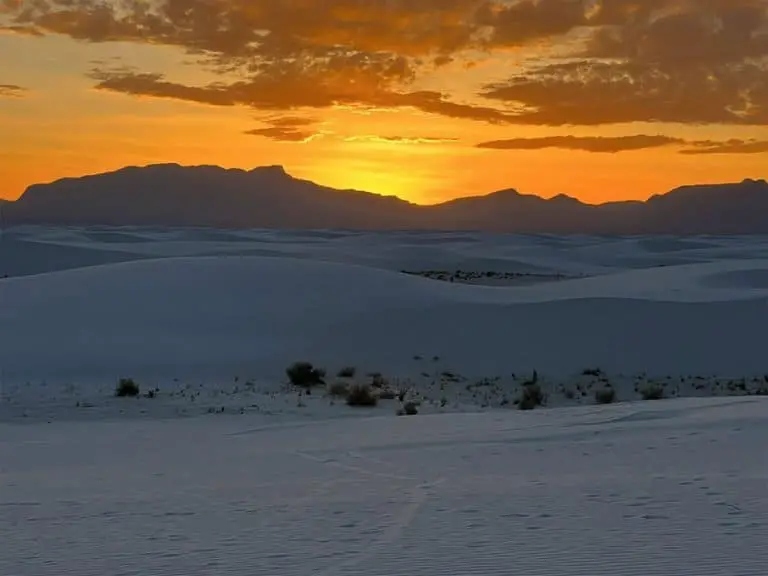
213	317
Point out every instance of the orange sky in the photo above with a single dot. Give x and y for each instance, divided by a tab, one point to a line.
429	100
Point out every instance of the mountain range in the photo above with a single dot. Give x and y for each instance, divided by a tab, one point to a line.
268	197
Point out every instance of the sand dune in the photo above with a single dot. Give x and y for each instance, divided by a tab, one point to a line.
571	255
218	316
220	466
209	304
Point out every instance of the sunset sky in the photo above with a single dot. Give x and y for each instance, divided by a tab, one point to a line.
425	99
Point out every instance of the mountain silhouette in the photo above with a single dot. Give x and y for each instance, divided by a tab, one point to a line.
268	197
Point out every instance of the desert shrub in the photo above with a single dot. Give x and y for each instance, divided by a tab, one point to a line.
605	396
339	389
409	409
126	387
531	397
652	392
377	380
347	372
305	374
361	395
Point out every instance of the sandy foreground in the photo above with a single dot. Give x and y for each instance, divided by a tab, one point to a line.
674	487
221	467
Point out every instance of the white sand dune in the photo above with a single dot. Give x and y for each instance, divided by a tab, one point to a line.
667	488
262	479
395	251
212	317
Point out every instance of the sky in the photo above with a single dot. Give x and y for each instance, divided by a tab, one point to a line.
425	99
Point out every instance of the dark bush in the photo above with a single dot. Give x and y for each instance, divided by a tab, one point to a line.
652	392
605	396
304	374
409	409
127	388
531	397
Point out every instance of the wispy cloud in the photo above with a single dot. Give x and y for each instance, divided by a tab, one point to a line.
729	147
617	144
599	144
287	129
400	139
12	91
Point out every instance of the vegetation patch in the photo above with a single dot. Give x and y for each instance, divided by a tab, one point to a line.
605	396
531	397
378	381
361	395
347	372
127	388
409	409
304	374
338	389
652	392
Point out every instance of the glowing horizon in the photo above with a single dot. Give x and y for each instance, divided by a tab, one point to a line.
428	101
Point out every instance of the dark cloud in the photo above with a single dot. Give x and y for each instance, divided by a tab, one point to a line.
293	88
301	52
250	28
682	33
286	129
675	61
291	121
520	23
616	144
584	143
12	91
282	134
729	147
662	61
591	93
21	30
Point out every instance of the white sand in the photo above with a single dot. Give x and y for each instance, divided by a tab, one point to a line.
259	479
674	487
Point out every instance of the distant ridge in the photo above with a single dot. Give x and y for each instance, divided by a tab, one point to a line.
268	197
